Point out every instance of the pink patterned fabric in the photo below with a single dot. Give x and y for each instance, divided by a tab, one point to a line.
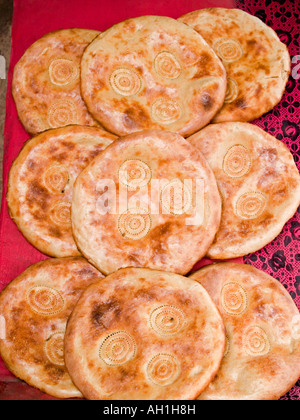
281	258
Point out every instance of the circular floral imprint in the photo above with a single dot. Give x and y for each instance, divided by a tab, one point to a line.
163	369
134	223
165	111
135	174
167	320
45	300
125	81
237	161
234	299
176	198
232	91
54	349
228	49
117	348
62	72
255	341
56	178
60	213
167	66
250	205
61	113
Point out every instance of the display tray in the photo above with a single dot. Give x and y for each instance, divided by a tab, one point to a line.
34	18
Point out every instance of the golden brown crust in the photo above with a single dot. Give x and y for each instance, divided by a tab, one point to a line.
257	62
34	309
262	356
152	72
46	81
258	181
144	334
169	199
41	182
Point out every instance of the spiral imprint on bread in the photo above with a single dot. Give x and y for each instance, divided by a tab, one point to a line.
125	81
61	113
134	223
250	205
237	161
54	349
56	178
167	320
232	91
228	49
167	66
60	213
63	72
234	298
45	300
163	369
165	111
256	341
176	198
117	348
135	174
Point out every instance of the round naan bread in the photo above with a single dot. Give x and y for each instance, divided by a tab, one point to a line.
34	309
152	72
257	62
46	81
149	200
40	185
262	356
144	334
258	181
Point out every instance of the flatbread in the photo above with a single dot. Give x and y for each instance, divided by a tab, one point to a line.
262	356
152	72
257	63
144	334
258	181
34	309
40	185
46	81
149	200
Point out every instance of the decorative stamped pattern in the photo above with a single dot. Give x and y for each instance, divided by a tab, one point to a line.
165	111
232	90
134	223
125	81
60	213
117	348
256	341
45	300
237	161
228	49
63	72
167	320
54	349
61	113
167	66
56	178
250	205
234	299
176	198
135	174
163	369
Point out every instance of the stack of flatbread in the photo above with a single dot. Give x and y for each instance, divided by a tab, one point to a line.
143	161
